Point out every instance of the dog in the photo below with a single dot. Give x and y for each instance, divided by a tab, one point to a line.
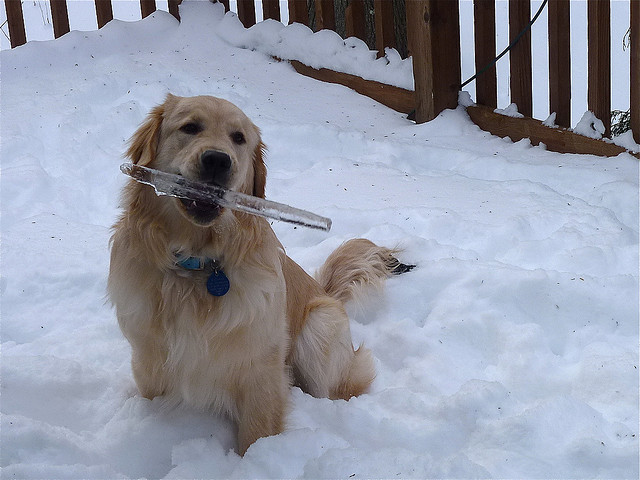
217	315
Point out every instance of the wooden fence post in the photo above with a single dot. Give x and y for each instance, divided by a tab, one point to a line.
419	40
560	61
383	17
17	33
520	57
247	12
271	9
173	8
147	7
484	14
354	20
60	17
635	70
599	55
433	28
298	12
104	12
325	15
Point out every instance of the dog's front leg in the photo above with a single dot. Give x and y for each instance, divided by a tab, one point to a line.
263	404
146	365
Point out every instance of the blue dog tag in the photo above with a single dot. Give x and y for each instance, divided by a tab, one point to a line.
217	283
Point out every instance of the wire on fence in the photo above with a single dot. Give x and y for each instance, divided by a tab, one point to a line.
509	47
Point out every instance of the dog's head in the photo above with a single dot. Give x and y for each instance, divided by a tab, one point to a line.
206	139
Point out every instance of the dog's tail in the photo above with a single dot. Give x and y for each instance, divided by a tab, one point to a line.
356	265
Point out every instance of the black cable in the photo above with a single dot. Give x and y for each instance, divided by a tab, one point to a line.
511	45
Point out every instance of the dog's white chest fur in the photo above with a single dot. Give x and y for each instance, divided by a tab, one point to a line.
208	338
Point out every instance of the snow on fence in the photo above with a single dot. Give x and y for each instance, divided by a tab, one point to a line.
429	30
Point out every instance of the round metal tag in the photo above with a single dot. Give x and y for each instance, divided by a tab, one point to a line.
217	283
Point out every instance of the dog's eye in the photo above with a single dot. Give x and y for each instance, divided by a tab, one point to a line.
238	138
191	128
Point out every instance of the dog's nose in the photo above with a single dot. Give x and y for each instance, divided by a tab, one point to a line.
215	167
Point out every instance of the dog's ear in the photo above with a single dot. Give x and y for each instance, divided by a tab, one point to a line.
144	142
259	170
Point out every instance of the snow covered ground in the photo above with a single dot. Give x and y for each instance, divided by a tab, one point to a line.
510	351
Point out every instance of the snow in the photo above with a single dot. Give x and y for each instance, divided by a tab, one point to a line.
464	99
510	111
550	121
626	141
590	126
510	351
317	50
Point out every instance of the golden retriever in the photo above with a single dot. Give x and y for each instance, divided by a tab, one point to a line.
217	315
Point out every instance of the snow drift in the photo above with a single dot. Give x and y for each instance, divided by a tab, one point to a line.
510	351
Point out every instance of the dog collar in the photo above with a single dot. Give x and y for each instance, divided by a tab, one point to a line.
217	282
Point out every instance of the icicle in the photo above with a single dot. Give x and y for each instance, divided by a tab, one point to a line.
178	186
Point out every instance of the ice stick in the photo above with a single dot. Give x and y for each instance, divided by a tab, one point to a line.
178	186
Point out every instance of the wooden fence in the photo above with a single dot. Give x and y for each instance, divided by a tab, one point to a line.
432	30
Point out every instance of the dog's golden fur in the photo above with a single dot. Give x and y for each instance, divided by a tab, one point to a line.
239	353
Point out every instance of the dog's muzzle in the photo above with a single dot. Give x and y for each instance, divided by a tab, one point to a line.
215	167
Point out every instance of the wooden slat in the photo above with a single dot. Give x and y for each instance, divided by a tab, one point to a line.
173	8
354	20
555	139
484	13
385	34
434	43
59	17
635	69
298	12
247	12
17	34
560	61
104	12
271	9
147	7
446	52
396	98
225	3
520	57
325	15
599	58
419	40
